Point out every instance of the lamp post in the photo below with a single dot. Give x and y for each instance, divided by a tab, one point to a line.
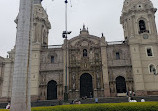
64	35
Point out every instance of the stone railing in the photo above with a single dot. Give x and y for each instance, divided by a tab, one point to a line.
47	67
51	46
115	42
115	63
91	62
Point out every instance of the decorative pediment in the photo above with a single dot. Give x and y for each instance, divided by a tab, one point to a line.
85	42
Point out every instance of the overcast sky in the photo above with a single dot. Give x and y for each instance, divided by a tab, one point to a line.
100	16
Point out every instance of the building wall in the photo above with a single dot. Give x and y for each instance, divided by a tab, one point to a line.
119	66
139	40
105	61
51	70
1	73
7	76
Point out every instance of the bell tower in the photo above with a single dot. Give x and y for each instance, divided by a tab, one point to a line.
41	24
138	21
40	30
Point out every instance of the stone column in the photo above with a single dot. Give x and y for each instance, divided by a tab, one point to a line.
20	99
105	68
95	84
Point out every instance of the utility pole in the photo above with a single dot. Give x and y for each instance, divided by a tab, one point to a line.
64	34
20	98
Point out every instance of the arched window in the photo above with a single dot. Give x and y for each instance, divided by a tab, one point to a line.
52	59
142	26
44	38
85	53
152	69
117	55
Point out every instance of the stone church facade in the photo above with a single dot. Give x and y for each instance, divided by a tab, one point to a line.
95	67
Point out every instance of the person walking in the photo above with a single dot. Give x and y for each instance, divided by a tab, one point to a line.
8	106
96	100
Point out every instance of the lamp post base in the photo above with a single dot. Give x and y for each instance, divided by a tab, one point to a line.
66	95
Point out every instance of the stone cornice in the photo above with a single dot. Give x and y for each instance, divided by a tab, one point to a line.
132	13
129	12
59	70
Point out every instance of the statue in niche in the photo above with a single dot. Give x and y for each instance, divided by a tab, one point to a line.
73	77
98	75
74	85
98	84
43	80
85	65
111	88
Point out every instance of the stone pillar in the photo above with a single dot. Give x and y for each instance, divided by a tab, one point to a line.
95	85
20	99
35	67
105	68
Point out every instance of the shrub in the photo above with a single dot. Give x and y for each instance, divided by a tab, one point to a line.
146	106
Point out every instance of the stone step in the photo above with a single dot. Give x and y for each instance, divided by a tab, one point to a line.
88	101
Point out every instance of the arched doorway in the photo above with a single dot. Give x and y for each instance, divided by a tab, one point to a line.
120	84
86	86
52	90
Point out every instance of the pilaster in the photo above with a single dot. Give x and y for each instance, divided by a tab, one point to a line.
105	68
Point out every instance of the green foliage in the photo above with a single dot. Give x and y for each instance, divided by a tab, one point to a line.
4	110
145	106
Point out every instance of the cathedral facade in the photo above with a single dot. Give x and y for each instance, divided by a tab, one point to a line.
87	65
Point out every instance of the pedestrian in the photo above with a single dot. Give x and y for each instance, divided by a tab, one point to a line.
90	95
130	93
132	100
96	100
8	106
60	101
129	98
127	93
134	93
72	102
79	102
142	100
